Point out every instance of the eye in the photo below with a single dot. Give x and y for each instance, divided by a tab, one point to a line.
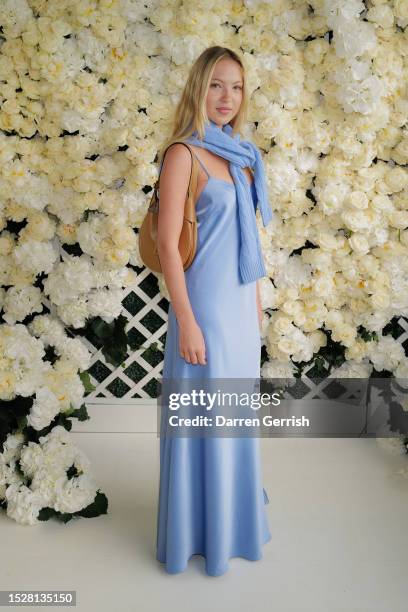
218	85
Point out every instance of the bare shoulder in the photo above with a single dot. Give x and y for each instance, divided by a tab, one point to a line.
177	159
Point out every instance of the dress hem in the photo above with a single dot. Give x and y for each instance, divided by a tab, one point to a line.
215	572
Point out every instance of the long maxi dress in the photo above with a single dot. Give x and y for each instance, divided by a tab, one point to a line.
211	500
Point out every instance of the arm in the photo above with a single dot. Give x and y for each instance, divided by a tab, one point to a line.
173	185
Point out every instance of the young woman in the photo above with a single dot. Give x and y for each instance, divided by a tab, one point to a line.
211	499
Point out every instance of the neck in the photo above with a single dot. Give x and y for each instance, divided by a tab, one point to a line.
215	124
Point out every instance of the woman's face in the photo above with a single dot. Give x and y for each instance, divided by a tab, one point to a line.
225	91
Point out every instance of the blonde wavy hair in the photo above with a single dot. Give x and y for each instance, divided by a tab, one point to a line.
190	113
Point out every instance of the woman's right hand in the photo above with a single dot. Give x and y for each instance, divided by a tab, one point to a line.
191	343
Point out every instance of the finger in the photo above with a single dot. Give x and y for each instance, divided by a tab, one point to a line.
191	356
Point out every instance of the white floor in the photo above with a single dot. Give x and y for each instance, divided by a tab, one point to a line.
337	514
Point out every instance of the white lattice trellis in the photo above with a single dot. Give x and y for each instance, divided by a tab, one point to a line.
135	380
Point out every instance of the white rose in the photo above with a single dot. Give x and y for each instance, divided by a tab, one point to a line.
291	307
281	324
358	306
300	318
382	202
375	321
402	373
357	351
352	369
315	307
315	50
326	241
396	179
318	339
344	333
379	236
359	244
358	199
23	504
278	369
333	317
323	285
351	274
356	220
380	300
386	354
369	265
381	15
398	219
401	9
287	346
268	293
404	238
321	260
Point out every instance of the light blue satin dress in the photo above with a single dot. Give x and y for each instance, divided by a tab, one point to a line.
211	500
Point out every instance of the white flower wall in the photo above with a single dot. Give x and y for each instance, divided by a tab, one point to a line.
87	91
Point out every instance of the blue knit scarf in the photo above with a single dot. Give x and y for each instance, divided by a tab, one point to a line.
241	154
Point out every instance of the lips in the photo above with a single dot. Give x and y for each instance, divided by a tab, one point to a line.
221	108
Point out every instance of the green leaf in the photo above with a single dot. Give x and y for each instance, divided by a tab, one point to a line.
99	506
96	508
368	336
86	381
102	329
80	413
21	422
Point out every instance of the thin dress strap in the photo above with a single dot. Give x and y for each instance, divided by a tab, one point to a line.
201	164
